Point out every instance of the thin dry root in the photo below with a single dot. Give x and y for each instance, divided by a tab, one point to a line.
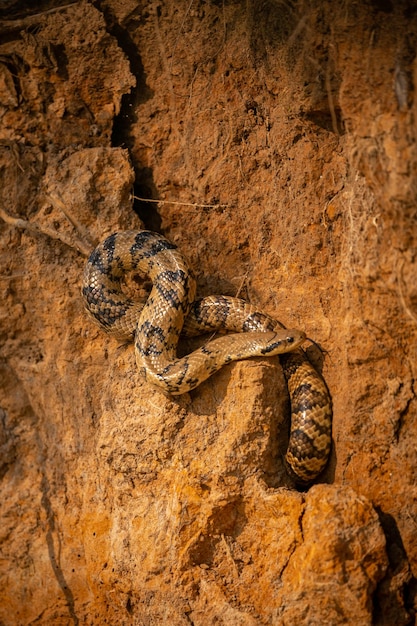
17	222
193	204
86	238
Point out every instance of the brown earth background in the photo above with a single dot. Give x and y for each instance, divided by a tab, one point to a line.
280	141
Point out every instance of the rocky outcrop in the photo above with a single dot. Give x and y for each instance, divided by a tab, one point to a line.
279	140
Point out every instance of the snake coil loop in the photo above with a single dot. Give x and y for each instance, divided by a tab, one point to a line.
171	309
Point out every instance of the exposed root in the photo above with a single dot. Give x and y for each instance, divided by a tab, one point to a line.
81	246
193	204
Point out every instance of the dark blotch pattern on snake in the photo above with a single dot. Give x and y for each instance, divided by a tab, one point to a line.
171	309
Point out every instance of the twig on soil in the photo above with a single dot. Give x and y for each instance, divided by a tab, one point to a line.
24	22
242	284
331	103
57	202
17	222
204	206
12	276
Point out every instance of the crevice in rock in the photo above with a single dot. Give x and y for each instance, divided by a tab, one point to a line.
144	186
121	135
395	596
296	544
53	553
402	415
7	444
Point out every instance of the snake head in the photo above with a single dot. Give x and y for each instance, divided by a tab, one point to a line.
295	338
284	341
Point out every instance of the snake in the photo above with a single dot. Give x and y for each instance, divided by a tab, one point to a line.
155	323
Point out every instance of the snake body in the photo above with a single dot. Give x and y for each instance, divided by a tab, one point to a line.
171	310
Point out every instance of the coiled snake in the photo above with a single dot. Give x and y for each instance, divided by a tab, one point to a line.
171	309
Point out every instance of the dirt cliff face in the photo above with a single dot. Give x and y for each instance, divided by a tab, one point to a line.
280	141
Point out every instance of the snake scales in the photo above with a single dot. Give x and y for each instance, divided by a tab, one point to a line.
171	309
